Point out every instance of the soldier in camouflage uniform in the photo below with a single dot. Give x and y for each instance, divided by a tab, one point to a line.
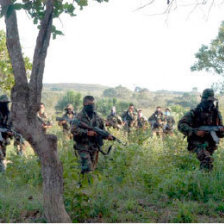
157	122
43	118
130	118
169	122
19	144
142	120
114	120
201	142
69	115
86	141
4	123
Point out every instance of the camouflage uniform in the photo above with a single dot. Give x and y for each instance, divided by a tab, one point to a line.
4	137
157	123
169	123
204	147
130	119
87	146
43	118
142	121
19	145
114	121
68	116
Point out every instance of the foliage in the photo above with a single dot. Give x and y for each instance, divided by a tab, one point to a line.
118	92
104	105
211	58
6	72
36	9
153	180
70	98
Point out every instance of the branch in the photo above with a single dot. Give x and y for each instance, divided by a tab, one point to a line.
13	44
42	43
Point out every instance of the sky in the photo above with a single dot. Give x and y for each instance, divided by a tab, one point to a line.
115	44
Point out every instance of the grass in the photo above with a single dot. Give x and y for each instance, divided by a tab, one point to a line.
149	180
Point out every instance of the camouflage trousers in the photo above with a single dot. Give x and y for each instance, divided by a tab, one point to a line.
89	159
204	154
2	156
19	146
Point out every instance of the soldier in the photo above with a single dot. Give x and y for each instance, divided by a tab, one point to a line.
142	120
114	120
19	144
4	124
86	141
201	142
130	118
157	122
69	115
169	122
42	116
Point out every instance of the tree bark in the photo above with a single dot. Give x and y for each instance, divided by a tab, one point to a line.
25	101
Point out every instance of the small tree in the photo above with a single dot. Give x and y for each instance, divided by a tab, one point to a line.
26	94
70	98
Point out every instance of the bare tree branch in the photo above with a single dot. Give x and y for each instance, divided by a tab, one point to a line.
40	54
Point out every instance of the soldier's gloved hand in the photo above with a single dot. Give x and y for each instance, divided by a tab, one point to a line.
221	129
110	137
91	133
200	133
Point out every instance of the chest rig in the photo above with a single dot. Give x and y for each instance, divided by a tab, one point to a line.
203	117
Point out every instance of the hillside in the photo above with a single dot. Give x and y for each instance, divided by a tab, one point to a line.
94	89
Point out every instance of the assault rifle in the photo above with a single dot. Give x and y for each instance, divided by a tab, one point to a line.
14	133
212	131
102	133
64	119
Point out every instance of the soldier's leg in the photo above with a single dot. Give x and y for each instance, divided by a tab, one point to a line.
18	147
2	157
94	159
205	158
86	163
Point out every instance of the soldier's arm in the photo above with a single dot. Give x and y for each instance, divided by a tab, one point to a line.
185	124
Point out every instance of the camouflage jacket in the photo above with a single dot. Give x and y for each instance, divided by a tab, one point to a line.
114	121
84	142
196	118
43	118
130	119
66	126
169	123
156	120
142	121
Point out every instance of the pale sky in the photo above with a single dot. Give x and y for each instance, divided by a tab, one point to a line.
112	44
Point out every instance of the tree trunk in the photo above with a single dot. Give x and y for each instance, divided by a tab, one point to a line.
25	101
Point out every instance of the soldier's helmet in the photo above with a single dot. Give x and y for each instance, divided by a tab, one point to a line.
69	106
208	94
4	99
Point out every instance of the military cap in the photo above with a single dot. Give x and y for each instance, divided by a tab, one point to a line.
168	109
4	98
208	94
69	106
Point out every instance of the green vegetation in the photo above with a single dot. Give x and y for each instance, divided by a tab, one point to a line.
150	180
6	73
